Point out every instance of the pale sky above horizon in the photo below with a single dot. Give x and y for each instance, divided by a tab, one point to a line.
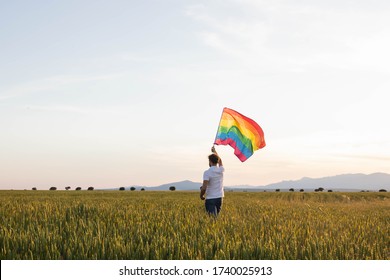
120	93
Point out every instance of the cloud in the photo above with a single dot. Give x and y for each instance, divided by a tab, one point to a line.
364	157
296	35
52	83
139	58
56	108
73	109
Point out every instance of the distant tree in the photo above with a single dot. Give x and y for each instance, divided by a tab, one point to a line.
277	190
53	189
382	190
67	188
291	190
172	188
34	189
132	188
122	188
320	189
316	190
78	189
330	191
90	189
301	190
142	189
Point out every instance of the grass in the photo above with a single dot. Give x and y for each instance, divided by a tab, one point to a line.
173	225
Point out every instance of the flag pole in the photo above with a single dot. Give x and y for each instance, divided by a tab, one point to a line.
215	139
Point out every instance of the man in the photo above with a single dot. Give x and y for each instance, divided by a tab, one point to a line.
213	184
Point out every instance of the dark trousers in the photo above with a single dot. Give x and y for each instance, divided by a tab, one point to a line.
213	206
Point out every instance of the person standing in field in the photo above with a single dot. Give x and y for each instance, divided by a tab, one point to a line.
213	184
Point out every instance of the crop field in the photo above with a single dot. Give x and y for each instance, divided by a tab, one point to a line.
107	225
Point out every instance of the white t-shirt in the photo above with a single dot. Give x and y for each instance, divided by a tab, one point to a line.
215	186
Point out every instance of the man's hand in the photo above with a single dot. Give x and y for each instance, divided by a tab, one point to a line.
219	158
202	192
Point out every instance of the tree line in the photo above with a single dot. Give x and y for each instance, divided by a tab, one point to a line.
173	188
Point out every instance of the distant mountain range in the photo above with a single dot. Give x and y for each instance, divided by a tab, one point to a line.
345	182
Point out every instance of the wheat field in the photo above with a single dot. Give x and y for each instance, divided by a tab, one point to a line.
109	225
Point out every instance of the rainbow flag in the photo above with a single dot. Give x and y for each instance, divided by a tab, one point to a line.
243	134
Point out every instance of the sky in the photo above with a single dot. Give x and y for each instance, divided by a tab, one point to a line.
121	93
